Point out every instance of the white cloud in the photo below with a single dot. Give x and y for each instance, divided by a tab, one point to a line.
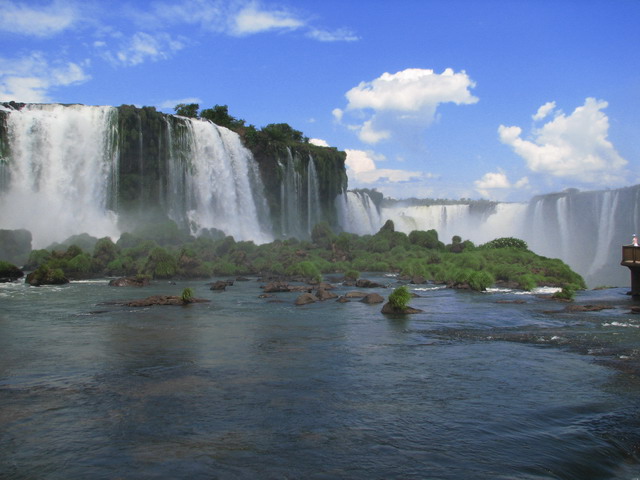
44	21
496	185
571	147
143	47
362	170
319	142
406	99
253	19
544	110
170	104
30	78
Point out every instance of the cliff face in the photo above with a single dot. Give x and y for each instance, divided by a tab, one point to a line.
301	184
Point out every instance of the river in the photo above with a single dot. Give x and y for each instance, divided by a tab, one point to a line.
496	385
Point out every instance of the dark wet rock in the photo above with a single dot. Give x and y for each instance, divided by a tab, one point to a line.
389	309
162	300
372	298
355	294
323	294
635	310
265	295
306	298
364	283
9	272
242	279
129	282
273	287
342	299
418	280
220	285
587	308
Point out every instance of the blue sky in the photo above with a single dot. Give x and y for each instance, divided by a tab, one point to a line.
444	99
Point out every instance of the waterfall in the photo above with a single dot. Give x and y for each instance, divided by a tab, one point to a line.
61	172
584	229
222	186
314	212
357	213
300	208
76	169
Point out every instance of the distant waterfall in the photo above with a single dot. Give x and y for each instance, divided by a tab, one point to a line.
357	213
73	169
299	196
584	229
61	172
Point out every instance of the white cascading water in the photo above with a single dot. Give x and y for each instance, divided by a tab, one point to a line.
62	166
60	178
357	213
223	184
314	212
584	229
300	207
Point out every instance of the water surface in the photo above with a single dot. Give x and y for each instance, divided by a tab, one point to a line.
248	387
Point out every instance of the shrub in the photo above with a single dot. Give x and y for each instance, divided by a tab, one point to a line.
160	263
351	275
527	282
187	295
480	281
399	298
568	292
507	242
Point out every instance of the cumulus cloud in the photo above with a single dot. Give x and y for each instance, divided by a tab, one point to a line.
572	146
496	185
544	110
41	21
409	97
29	79
319	142
362	170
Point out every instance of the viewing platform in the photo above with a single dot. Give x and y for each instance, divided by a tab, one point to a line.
631	259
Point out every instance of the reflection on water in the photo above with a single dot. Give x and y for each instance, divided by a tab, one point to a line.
243	388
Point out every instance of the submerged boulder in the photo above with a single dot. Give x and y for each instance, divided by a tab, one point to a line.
322	294
364	283
372	298
129	282
162	300
390	309
306	298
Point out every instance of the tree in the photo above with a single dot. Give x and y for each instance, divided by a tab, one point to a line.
219	115
282	132
187	110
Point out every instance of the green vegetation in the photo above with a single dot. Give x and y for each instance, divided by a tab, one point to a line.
187	295
164	252
399	298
